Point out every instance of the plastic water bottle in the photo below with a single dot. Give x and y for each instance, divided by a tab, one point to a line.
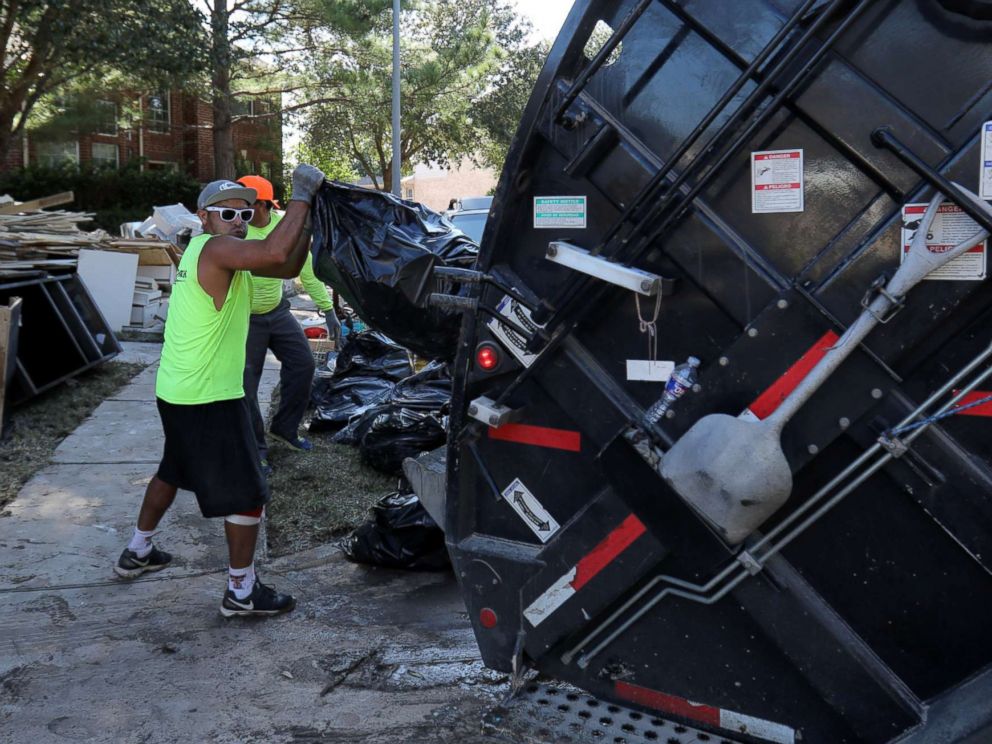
682	379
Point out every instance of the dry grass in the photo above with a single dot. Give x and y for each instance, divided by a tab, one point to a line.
36	427
318	495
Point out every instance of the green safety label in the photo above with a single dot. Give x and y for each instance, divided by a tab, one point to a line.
559	211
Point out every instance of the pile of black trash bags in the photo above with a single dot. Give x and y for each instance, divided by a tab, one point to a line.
379	252
372	398
375	401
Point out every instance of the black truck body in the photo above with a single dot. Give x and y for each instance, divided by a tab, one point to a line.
861	611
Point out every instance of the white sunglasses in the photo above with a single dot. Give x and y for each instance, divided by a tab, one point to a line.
227	214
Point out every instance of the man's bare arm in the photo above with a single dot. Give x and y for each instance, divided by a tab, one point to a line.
280	254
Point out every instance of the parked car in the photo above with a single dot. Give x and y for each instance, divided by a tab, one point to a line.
470	215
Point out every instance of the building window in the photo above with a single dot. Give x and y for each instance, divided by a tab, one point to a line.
57	153
105	155
265	169
408	192
107	123
240	107
162	165
158	112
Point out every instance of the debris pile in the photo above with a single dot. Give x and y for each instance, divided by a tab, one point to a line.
34	239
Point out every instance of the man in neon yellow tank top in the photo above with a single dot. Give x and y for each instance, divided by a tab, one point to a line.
273	326
209	446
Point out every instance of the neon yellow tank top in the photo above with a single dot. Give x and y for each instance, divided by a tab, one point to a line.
203	359
266	291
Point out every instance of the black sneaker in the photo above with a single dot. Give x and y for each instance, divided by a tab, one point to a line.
263	600
129	565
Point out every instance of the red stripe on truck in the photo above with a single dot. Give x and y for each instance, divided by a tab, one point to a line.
671	704
609	548
540	436
772	398
983	410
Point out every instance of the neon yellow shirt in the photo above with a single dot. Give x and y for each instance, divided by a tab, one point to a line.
268	291
203	358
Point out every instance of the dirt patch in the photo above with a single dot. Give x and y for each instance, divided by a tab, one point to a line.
36	427
318	495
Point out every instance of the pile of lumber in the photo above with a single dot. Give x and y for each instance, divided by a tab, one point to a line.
31	238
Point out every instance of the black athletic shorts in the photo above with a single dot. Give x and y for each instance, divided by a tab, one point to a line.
210	450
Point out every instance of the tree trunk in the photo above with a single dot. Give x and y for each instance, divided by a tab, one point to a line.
6	135
224	166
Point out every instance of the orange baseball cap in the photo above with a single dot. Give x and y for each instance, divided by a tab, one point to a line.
262	186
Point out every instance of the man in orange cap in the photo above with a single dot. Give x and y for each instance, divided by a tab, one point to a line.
273	326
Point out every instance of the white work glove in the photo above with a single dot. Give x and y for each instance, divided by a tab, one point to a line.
306	180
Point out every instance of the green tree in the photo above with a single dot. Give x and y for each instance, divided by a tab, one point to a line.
454	56
499	110
54	46
254	50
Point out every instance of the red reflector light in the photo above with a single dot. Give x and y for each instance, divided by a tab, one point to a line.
488	618
487	357
315	332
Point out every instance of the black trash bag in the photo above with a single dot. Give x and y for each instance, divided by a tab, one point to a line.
379	251
428	390
357	425
399	533
336	400
371	354
404	423
398	433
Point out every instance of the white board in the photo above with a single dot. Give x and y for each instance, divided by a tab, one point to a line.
109	277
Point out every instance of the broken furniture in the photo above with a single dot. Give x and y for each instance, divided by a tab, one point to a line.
62	332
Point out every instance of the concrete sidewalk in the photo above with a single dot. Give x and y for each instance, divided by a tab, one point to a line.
368	656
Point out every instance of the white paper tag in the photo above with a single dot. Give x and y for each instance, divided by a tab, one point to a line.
777	181
513	341
985	177
554	212
644	370
949	227
530	510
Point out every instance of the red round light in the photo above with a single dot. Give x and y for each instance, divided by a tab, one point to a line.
315	332
487	357
488	618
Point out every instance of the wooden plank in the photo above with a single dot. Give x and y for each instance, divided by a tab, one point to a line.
46	201
9	317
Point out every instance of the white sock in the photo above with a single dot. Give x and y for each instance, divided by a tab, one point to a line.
141	542
241	580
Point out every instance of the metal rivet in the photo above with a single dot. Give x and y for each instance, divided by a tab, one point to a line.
723	361
552	251
697	388
669	413
472	410
782	304
813	449
646	285
876	393
493	420
752	332
844	422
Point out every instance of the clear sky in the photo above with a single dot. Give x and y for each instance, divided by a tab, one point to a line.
546	15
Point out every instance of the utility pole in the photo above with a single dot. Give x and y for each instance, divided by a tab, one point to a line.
397	188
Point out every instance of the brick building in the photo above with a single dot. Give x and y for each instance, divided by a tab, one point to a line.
176	132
